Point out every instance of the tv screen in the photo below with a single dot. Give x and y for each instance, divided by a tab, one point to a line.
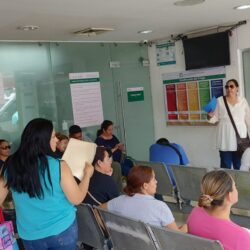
207	51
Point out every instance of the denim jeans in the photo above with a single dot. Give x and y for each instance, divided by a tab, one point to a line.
229	158
66	240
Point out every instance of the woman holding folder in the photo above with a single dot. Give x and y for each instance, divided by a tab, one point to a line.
226	138
43	189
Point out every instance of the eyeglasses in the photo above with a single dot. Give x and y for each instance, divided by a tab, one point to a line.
6	147
229	86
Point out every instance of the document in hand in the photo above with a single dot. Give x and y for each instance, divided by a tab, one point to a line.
211	105
77	154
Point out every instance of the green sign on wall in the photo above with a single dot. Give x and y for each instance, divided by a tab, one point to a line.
135	94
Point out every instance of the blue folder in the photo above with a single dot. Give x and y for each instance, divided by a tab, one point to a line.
210	107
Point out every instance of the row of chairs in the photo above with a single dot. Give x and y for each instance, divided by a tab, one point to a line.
188	183
125	233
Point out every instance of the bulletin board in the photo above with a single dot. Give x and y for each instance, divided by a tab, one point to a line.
187	92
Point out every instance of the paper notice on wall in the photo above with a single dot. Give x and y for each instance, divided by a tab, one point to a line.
77	154
86	98
165	53
1	90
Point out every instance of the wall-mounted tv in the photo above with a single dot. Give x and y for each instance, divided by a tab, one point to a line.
207	51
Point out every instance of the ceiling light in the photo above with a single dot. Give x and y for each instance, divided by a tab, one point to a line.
188	2
144	31
28	27
242	7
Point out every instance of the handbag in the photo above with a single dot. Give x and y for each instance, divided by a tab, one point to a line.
242	143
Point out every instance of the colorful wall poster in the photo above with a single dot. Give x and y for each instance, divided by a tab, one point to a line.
182	105
187	92
171	103
86	98
165	53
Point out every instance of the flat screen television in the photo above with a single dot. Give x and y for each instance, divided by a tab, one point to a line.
207	51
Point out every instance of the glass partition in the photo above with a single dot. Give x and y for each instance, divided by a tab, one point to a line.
34	82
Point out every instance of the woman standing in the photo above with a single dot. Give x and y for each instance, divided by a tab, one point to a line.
211	219
226	138
106	139
44	190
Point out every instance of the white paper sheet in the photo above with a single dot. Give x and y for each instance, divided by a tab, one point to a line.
77	154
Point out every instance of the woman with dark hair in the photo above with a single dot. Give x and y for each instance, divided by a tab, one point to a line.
139	202
211	219
4	151
44	190
226	137
106	139
102	187
61	144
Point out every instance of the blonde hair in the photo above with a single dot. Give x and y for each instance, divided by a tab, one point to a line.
215	185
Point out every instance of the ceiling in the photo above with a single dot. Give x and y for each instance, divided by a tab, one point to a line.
58	19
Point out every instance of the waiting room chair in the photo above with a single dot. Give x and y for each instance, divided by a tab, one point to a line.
89	230
241	210
127	233
173	240
188	181
242	181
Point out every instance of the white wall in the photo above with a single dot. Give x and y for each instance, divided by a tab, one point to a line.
198	141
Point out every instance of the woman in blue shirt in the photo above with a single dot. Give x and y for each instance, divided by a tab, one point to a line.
43	189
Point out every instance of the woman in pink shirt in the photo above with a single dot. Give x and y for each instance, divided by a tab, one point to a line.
211	219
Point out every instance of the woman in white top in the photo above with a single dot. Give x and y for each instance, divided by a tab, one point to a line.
226	137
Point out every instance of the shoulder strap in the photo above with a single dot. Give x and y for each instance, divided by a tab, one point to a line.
231	118
94	199
177	152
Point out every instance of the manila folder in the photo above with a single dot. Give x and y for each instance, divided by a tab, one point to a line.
77	154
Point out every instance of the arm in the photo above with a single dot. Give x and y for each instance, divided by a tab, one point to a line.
247	116
104	206
3	191
118	144
184	228
172	226
75	193
213	116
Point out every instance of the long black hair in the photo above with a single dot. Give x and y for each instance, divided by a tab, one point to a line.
23	170
104	126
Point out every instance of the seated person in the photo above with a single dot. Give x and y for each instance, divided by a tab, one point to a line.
76	132
61	145
211	219
139	202
169	154
4	151
102	187
106	139
4	154
245	160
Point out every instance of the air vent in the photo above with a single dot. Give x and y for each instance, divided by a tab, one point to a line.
92	31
